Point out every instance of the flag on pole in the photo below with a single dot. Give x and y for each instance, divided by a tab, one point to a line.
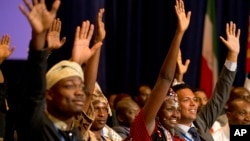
209	60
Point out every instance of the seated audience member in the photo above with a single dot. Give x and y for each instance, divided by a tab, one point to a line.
144	124
111	100
5	52
53	42
167	118
99	130
118	98
202	97
88	115
62	86
238	113
220	126
143	94
191	120
112	121
237	92
126	111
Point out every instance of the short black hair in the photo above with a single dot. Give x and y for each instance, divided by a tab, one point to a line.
181	86
198	89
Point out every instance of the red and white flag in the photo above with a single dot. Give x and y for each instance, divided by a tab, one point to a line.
209	61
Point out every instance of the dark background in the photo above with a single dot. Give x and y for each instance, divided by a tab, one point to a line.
139	33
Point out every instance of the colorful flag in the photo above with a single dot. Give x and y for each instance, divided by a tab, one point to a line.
209	61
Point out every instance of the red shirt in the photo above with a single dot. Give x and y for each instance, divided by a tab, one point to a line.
138	130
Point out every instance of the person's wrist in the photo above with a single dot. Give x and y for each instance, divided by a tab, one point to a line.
232	56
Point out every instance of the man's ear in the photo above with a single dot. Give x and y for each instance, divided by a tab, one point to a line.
48	95
228	114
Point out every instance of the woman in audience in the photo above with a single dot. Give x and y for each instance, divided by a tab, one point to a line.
144	124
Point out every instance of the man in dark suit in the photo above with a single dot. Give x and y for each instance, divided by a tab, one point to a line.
204	120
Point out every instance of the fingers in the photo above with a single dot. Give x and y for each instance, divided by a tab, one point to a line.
182	7
53	26
5	40
100	15
63	41
179	7
231	29
96	46
28	4
77	33
187	62
87	30
22	9
238	33
84	29
189	15
91	31
58	25
11	50
55	6
223	40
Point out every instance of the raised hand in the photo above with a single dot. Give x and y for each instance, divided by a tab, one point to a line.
233	37
101	33
38	15
81	51
5	50
53	36
182	68
183	19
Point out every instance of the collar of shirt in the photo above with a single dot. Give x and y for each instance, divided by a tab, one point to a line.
109	133
183	130
61	125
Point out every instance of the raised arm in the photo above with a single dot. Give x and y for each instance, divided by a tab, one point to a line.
84	55
5	52
33	84
91	68
227	76
167	71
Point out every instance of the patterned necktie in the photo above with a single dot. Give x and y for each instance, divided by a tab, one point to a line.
194	134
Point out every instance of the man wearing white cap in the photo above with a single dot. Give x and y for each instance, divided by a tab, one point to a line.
62	87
